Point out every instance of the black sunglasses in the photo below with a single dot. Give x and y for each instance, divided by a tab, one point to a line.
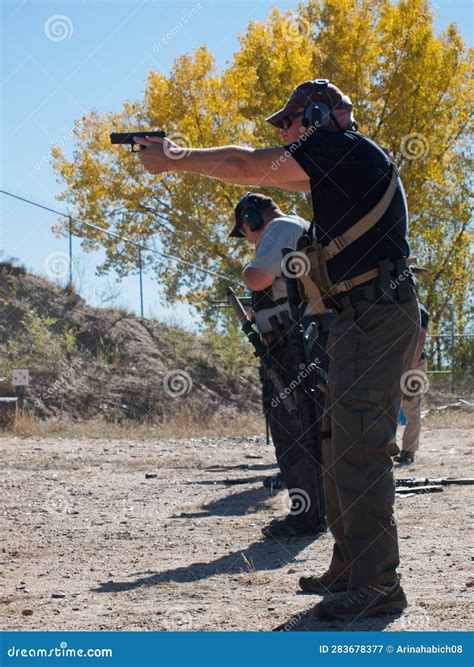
287	121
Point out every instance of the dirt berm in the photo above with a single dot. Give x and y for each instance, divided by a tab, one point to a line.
87	362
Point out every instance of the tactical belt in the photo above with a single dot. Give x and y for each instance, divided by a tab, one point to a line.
317	287
373	292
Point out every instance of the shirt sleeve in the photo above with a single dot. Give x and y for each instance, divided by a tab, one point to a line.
321	151
268	252
307	154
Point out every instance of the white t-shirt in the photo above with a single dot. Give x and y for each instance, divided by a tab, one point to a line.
282	232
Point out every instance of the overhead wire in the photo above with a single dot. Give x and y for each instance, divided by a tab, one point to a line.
138	245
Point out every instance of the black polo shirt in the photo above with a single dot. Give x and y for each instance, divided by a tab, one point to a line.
348	175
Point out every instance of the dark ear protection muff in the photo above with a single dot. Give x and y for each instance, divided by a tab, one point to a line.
317	114
250	213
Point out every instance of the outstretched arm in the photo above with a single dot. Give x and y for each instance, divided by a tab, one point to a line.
273	167
295	186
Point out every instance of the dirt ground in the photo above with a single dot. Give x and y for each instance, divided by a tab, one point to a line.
90	543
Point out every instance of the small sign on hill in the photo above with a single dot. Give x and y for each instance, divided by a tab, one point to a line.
20	377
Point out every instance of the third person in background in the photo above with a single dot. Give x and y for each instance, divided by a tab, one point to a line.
411	403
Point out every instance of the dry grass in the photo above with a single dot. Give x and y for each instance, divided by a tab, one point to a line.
450	418
185	425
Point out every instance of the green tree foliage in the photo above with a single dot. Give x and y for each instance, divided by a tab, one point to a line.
411	90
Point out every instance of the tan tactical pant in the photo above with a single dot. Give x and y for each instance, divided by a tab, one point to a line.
370	346
412	408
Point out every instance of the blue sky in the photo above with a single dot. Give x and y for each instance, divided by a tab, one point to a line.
60	59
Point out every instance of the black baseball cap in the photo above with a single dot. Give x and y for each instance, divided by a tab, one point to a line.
249	199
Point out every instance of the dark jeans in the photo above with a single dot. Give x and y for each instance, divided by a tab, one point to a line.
297	439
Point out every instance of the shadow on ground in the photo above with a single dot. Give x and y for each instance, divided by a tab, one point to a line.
248	501
259	556
307	621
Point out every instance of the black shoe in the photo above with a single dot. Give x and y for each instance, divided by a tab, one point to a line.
281	528
326	583
364	602
274	482
404	458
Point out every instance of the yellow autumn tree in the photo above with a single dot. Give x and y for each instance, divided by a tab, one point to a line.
411	90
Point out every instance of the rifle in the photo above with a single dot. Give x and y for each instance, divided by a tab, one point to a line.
127	138
414	482
260	351
310	382
409	490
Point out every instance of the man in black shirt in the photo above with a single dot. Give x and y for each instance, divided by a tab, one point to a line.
373	337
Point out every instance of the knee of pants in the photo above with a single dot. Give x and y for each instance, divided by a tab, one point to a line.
361	424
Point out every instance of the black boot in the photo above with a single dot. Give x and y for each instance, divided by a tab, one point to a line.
289	527
404	458
274	482
364	602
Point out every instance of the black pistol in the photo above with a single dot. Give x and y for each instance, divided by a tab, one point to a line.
127	138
